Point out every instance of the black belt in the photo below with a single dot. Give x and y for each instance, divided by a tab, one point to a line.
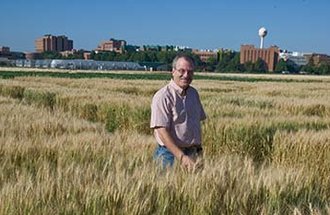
194	148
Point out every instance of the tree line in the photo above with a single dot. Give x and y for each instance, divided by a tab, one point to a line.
225	61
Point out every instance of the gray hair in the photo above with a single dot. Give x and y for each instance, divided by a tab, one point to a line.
184	56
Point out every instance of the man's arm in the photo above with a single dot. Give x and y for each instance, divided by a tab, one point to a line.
167	139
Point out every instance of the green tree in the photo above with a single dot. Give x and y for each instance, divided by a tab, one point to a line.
228	62
234	64
166	56
281	66
152	55
51	55
260	66
224	59
76	55
248	66
324	69
104	56
210	64
308	69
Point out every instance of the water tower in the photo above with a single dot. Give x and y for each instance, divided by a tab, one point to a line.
262	34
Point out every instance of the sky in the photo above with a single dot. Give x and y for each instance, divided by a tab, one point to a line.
294	25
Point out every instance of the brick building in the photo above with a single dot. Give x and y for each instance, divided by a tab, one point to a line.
205	55
270	56
318	59
53	43
32	55
4	55
112	45
4	50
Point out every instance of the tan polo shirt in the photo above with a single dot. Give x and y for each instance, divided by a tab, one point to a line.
180	111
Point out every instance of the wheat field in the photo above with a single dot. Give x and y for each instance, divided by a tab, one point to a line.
83	146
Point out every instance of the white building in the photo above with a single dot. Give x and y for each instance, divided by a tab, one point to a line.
298	58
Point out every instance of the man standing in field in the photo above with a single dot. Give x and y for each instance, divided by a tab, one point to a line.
176	113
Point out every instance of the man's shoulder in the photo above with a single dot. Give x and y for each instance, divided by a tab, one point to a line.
163	92
193	90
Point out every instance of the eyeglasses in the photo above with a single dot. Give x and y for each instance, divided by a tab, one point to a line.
183	71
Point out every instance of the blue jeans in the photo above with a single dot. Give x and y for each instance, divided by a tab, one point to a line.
163	156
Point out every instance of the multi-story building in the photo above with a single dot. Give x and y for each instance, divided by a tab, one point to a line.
53	43
4	54
33	55
183	48
318	59
248	53
63	44
112	45
4	50
297	58
157	48
204	55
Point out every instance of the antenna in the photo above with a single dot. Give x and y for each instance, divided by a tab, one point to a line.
262	34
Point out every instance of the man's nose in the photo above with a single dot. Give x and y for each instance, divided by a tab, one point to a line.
185	74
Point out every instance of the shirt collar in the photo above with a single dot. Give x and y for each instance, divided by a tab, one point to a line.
178	89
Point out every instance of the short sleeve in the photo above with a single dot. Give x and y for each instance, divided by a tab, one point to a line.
160	111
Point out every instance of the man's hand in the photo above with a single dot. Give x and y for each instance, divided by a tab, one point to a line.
187	162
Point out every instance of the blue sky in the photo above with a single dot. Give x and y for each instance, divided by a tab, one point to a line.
295	25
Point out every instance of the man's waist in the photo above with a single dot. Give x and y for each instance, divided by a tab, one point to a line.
187	146
192	149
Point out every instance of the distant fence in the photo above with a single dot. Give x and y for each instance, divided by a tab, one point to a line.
78	64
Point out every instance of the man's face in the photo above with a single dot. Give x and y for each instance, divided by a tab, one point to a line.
183	73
